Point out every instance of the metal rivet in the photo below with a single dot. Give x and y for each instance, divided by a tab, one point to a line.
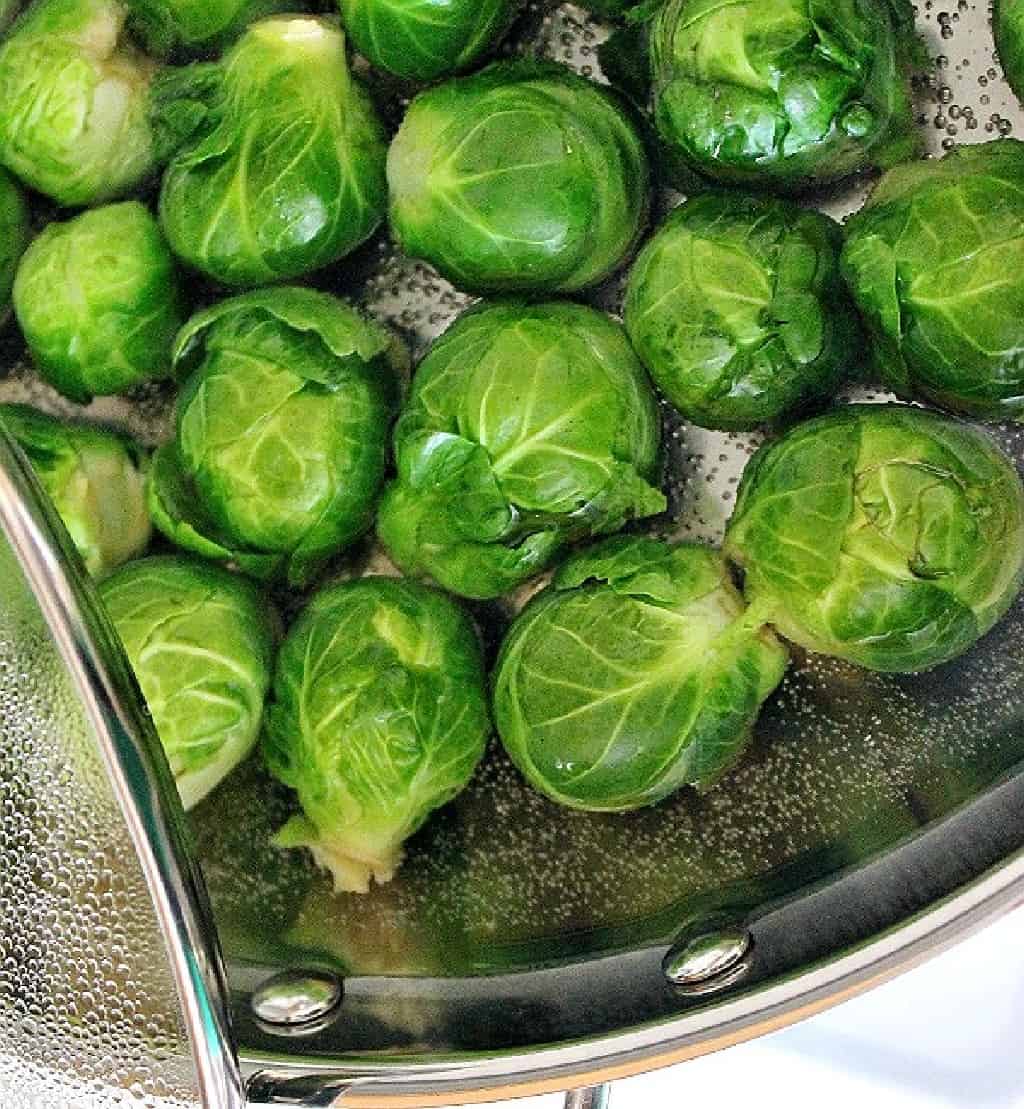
709	962
296	997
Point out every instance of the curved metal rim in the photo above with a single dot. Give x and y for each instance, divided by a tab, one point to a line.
139	777
404	1084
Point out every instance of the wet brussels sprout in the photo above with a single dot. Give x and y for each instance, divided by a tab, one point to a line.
523	176
14	236
8	10
74	102
528	427
99	301
636	672
282	431
281	167
881	534
1008	24
94	478
933	261
784	93
201	643
199	27
737	309
378	717
425	39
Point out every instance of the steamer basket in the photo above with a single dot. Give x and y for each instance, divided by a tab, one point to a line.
521	948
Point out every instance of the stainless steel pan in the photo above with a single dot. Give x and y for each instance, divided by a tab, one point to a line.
521	948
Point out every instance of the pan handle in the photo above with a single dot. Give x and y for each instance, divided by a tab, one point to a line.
589	1097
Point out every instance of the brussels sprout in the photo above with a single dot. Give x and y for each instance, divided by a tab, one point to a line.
424	39
94	478
99	302
1008	24
783	93
201	643
281	170
378	717
933	261
74	102
282	432
635	672
8	10
14	236
881	534
523	176
529	426
737	309
199	26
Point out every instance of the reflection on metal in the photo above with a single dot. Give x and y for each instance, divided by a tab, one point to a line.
297	997
309	1090
710	962
590	1097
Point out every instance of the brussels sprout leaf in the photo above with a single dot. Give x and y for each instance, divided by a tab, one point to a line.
178	513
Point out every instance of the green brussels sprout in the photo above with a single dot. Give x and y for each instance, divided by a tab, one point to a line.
637	671
737	309
523	176
427	38
99	302
282	432
74	98
201	643
8	10
881	534
783	93
378	717
1008	24
528	427
933	261
94	478
199	27
281	167
14	236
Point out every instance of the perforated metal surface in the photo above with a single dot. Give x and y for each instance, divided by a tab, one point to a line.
88	1011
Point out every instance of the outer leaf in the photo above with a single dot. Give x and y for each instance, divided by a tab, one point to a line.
523	176
14	236
610	695
177	512
425	39
1008	24
933	262
285	173
200	641
379	717
282	428
528	427
94	478
783	93
350	337
737	309
199	26
73	118
884	535
98	299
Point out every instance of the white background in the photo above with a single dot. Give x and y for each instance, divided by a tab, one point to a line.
947	1034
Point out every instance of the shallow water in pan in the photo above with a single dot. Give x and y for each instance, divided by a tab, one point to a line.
845	762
